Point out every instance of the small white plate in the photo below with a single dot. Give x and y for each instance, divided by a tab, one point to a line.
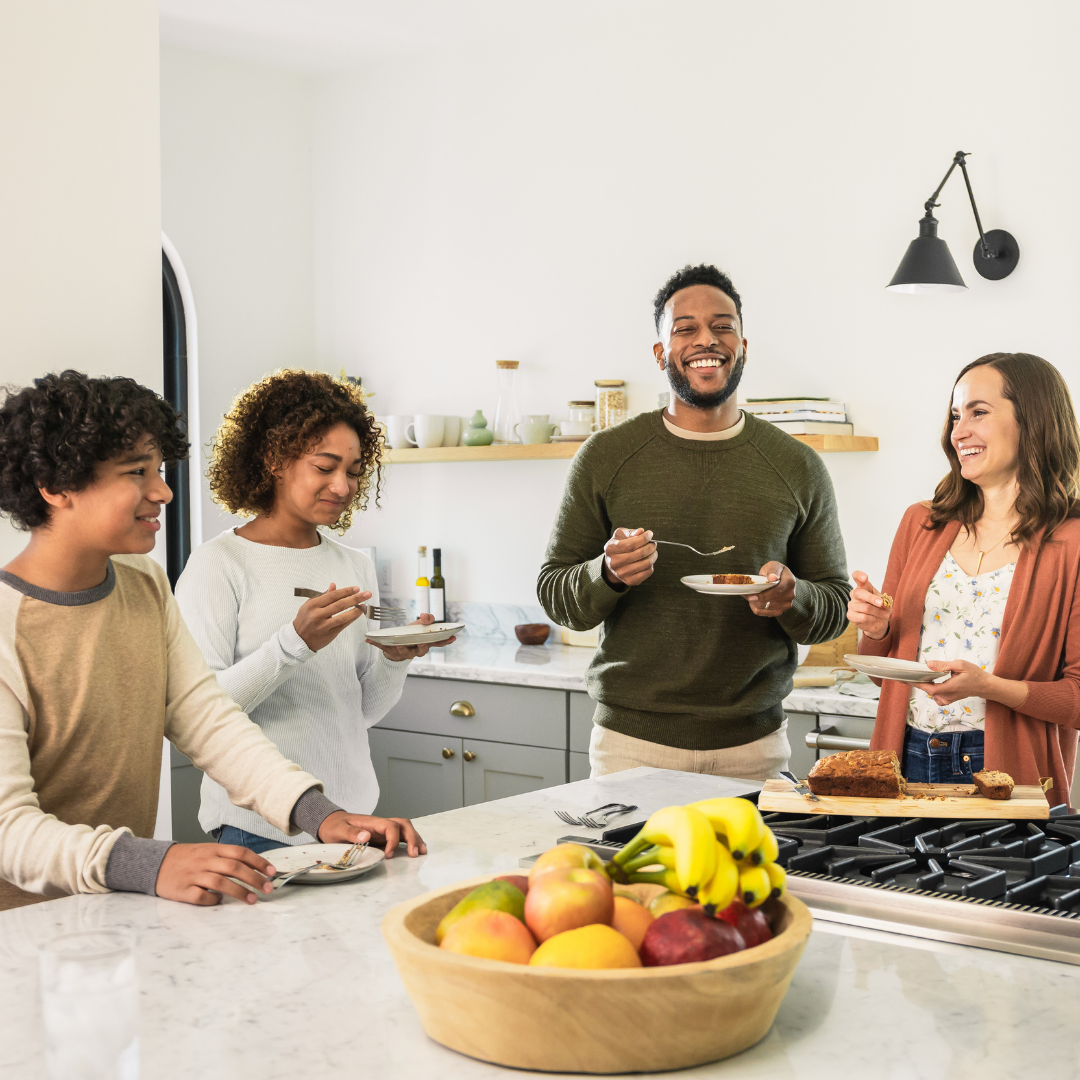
703	583
415	635
286	859
889	667
569	438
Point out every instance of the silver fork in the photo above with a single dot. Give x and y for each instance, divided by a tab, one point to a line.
588	821
342	864
372	611
730	547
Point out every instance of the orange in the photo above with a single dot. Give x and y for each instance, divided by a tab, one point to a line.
631	920
593	946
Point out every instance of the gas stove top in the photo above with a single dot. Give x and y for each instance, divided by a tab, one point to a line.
912	874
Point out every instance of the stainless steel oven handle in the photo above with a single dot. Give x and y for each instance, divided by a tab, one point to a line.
819	740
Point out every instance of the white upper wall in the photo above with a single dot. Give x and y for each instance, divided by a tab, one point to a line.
236	202
80	212
519	186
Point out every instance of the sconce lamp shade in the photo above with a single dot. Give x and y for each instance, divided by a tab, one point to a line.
927	266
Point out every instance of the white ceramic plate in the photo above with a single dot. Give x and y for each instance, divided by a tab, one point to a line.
888	667
569	438
415	635
286	859
703	583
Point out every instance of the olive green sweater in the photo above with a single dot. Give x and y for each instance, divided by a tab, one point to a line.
675	666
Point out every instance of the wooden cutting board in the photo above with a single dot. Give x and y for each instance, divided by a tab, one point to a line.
948	801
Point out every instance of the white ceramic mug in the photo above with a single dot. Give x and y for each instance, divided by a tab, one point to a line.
426	431
535	429
397	432
451	430
577	429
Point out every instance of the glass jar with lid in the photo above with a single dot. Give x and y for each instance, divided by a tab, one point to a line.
610	402
506	411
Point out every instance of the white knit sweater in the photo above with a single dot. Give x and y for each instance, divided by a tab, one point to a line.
237	598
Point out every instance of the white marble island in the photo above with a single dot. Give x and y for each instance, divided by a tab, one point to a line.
303	986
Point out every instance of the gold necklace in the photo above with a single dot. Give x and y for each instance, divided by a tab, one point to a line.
978	567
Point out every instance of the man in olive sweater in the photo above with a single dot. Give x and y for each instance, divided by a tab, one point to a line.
685	680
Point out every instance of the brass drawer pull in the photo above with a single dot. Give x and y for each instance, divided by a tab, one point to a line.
469	755
448	754
462	708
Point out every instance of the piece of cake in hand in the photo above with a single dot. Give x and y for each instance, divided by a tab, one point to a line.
993	784
866	774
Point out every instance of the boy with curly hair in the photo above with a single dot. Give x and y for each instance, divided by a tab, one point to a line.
298	453
96	666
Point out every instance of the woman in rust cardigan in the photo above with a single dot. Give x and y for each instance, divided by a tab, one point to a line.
984	583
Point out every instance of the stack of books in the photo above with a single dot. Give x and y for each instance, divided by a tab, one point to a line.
802	415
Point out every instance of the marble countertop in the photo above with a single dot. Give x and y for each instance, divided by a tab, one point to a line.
302	985
563	667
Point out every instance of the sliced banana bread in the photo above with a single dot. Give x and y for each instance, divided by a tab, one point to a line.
993	784
867	774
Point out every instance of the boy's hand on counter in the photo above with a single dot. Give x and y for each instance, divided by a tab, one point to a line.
200	873
342	827
775	601
322	618
628	557
411	652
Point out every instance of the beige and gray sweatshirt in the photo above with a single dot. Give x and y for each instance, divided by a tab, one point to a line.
89	683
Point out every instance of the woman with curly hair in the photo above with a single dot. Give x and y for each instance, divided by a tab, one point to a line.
986	581
297	453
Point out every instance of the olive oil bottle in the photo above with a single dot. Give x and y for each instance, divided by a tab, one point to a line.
423	589
438	586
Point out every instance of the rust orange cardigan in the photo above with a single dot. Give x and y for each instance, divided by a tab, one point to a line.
1040	645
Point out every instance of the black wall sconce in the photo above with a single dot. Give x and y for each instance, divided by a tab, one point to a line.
928	266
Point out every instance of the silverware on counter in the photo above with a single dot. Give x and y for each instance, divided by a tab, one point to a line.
589	819
372	611
799	786
278	882
730	547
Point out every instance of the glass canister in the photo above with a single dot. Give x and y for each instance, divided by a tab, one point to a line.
506	411
610	402
582	412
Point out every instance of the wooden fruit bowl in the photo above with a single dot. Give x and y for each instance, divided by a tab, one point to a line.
558	1020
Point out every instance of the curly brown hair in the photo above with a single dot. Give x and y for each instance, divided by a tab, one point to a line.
54	433
278	420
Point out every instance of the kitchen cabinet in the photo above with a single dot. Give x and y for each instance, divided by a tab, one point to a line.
186	784
418	774
582	708
498	770
802	756
579	766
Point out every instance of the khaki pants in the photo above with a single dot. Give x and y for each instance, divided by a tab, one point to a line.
610	752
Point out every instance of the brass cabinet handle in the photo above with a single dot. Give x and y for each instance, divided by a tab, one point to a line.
462	708
447	753
469	755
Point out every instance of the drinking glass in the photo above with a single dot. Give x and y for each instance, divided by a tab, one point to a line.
90	1006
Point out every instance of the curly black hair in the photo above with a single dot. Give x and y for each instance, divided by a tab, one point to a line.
54	433
278	420
694	275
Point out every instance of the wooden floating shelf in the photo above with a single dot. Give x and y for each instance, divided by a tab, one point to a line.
824	444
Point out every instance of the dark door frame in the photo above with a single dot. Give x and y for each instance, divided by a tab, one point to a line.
178	476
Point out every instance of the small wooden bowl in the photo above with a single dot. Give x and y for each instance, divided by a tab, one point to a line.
561	1020
532	633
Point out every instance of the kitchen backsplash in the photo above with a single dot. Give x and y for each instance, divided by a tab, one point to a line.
494	621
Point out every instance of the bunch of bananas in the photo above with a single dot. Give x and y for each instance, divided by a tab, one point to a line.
712	851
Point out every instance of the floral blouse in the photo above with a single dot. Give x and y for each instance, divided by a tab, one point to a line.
961	621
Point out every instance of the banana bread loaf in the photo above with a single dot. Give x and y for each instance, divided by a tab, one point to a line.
867	774
993	784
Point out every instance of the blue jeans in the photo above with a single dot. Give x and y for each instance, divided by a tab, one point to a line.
942	757
230	834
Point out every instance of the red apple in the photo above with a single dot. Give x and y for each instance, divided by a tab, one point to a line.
561	900
687	936
750	922
566	857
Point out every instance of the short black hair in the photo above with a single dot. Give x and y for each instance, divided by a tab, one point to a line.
694	275
53	434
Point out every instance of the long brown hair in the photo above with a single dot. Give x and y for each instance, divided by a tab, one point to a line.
1048	458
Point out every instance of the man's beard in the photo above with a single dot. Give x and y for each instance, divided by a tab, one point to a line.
682	389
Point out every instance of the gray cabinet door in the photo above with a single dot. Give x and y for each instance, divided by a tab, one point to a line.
802	756
498	770
579	766
186	799
530	715
417	774
582	708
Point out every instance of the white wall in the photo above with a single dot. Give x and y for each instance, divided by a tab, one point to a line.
523	195
80	221
236	202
